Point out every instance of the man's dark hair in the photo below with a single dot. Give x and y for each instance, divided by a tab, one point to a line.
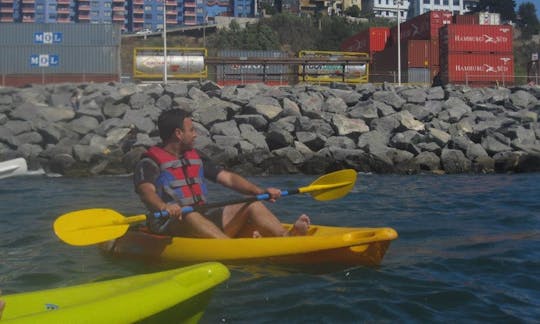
169	120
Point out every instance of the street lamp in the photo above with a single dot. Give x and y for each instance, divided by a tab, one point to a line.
164	43
398	3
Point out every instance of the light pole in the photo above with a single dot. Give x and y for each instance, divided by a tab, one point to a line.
398	3
164	42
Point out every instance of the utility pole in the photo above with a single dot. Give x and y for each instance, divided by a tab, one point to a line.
399	3
164	42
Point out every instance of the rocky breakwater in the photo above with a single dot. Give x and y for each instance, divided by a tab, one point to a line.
86	129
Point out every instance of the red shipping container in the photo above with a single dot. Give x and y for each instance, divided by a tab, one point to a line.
418	53
425	26
466	19
477	67
435	52
476	38
368	41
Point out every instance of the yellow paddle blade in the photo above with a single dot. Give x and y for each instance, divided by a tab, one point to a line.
91	226
331	186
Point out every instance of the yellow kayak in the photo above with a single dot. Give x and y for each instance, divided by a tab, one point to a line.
323	245
174	296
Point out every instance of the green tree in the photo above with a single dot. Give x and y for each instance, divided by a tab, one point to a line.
353	11
528	21
503	7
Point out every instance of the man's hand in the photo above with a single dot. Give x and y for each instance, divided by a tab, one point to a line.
274	194
174	210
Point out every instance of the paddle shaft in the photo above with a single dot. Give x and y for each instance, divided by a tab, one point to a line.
264	196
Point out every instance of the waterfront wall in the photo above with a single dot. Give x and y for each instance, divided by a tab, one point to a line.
90	129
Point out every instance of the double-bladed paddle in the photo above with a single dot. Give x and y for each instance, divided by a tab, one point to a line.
96	225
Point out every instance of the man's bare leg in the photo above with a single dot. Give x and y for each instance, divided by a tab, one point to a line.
235	217
196	225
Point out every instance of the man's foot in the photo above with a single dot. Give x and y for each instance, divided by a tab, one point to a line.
256	234
300	227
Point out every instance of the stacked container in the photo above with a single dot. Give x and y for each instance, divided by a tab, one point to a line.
478	18
368	41
419	50
477	54
55	53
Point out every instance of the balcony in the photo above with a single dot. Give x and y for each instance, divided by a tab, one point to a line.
63	20
119	1
118	19
29	1
171	3
29	10
28	19
138	11
172	21
190	5
118	9
62	10
63	2
84	17
6	19
6	10
138	2
138	20
84	8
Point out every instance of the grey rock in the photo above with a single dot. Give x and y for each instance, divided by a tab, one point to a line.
346	126
313	141
111	110
427	161
264	106
417	96
390	98
435	93
290	108
438	136
341	142
335	105
227	128
364	110
311	105
522	99
454	161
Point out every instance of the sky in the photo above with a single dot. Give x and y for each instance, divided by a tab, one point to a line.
536	4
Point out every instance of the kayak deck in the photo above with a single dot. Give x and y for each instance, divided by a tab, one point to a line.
323	244
178	296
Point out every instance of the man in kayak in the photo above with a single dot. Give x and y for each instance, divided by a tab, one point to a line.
171	175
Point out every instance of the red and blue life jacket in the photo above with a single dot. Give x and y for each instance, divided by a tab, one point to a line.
180	180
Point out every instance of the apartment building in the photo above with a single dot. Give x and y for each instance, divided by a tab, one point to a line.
387	8
418	7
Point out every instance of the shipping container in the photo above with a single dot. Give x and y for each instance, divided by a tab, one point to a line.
419	75
234	74
479	68
51	53
435	51
384	66
182	63
478	18
425	26
476	38
368	41
59	34
326	73
61	59
418	53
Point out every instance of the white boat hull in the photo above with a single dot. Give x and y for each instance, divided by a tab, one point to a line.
13	168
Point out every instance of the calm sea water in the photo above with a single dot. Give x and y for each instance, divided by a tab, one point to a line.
469	250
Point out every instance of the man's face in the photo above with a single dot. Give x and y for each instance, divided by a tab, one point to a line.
188	134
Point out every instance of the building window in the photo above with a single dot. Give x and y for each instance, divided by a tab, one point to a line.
426	1
445	2
437	2
456	3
